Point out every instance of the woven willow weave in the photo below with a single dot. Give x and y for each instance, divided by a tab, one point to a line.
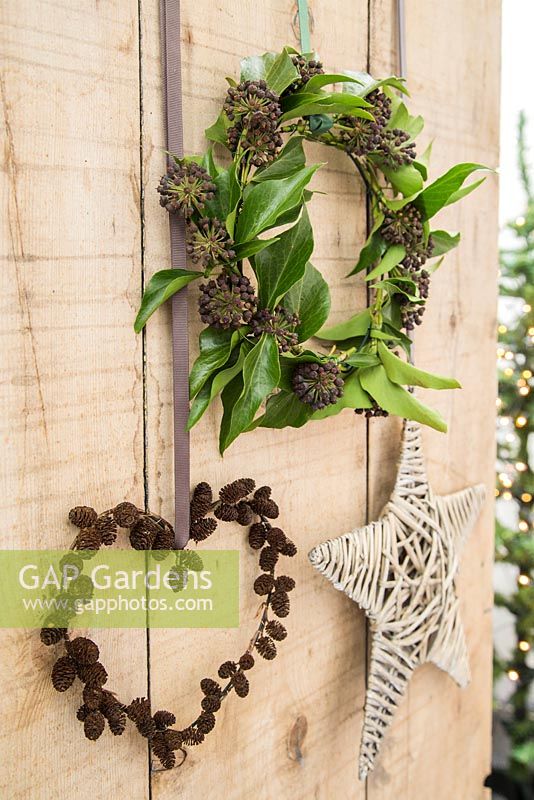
400	570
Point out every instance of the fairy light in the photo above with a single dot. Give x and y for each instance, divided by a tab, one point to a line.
520	421
526	497
523	526
507	495
513	675
504	421
509	355
505	480
510	438
508	372
526	372
527	308
497	492
523	580
520	221
524	391
500	352
502	329
521	382
498	402
531	331
521	466
524	646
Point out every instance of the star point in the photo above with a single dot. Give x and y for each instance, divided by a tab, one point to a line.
400	570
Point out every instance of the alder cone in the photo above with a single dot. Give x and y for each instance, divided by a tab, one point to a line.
201	501
83	516
63	673
206	722
174	738
276	630
92	697
94	725
233	492
266	647
83	650
93	674
209	686
126	515
50	636
280	603
164	719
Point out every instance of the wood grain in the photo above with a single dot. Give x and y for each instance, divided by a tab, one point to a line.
71	399
82	101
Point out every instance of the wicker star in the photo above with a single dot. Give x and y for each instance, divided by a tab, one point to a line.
400	570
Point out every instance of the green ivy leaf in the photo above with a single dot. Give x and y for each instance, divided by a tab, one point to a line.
407	179
443	242
357	325
373	248
362	360
390	259
248	249
261	373
161	286
208	162
438	194
229	397
421	163
284	410
307	103
218	131
265	202
464	191
368	84
279	267
290	160
310	299
214	386
354	396
215	349
276	69
401	372
318	81
319	123
396	400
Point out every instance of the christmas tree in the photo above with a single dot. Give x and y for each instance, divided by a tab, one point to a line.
515	487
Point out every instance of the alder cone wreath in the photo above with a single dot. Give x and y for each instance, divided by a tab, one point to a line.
261	299
238	502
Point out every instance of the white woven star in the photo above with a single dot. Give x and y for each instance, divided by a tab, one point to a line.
400	570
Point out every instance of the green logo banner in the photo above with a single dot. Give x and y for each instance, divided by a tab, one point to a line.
119	589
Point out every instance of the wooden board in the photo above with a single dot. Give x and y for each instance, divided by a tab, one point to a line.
83	112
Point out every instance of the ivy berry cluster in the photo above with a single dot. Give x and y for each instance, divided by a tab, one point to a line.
238	502
249	233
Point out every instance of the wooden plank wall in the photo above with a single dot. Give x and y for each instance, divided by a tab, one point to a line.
82	109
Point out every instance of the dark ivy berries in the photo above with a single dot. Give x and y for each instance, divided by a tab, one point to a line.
227	302
280	323
208	243
185	188
318	385
255	111
404	226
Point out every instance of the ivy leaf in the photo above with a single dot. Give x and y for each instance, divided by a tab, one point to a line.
256	68
161	286
215	349
310	299
443	242
276	69
208	162
290	160
407	179
400	371
421	163
396	400
464	191
281	74
319	123
354	396
357	325
362	360
226	195
368	84
279	267
307	104
261	373
265	202
372	249
229	397
318	81
214	386
439	193
248	249
284	410
391	258
218	131
401	118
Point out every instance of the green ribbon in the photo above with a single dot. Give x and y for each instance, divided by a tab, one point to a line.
304	26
